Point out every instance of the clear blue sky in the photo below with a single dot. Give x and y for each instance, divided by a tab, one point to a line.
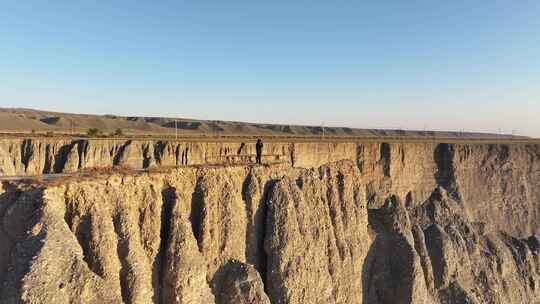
440	64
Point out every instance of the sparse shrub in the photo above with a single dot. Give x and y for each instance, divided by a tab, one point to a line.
93	132
118	132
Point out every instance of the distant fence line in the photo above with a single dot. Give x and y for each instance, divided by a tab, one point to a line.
320	131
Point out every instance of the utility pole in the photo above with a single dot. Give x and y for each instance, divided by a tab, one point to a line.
322	126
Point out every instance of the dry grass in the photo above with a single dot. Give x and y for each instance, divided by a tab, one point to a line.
280	138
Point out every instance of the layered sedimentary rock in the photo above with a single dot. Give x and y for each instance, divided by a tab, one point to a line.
172	237
316	227
393	223
20	157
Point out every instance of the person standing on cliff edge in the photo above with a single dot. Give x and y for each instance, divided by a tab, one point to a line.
259	149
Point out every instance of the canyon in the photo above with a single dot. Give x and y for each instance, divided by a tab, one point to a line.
319	222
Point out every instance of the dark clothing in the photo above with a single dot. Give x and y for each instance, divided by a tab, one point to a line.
259	149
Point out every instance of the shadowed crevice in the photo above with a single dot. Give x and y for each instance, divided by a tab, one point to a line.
120	153
122	250
21	247
169	198
83	235
147	156
262	267
49	157
386	158
262	214
82	149
61	158
159	150
26	153
197	206
445	175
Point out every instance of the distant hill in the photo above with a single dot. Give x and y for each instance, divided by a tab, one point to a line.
17	120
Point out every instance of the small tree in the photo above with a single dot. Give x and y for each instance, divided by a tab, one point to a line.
118	132
93	132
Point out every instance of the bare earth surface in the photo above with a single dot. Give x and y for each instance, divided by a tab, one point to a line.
27	121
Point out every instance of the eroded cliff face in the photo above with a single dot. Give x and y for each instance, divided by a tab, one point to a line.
22	157
180	237
401	223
